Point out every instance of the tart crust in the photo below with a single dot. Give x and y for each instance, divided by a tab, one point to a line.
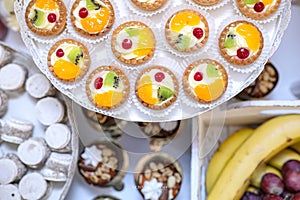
207	2
166	104
60	23
94	35
86	58
187	87
251	13
122	76
234	59
118	55
198	45
149	6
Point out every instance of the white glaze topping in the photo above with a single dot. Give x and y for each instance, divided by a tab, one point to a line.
92	156
152	189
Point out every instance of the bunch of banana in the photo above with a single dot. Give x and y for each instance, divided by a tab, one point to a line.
244	160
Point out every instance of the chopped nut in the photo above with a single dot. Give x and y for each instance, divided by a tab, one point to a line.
105	159
105	176
148	129
94	178
107	152
98	172
147	173
155	130
178	177
161	167
171	182
153	166
270	70
113	160
156	174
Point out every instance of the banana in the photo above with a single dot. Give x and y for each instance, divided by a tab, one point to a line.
223	154
253	189
260	172
296	147
279	159
266	141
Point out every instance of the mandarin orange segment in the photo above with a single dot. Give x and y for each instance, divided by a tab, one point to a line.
95	24
145	43
250	34
145	94
108	99
184	18
66	70
267	2
46	4
145	80
210	92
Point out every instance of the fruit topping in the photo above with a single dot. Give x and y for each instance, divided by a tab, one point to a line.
92	5
182	42
272	197
198	33
243	53
108	99
259	7
96	23
198	76
184	18
145	43
159	76
66	70
272	184
83	13
296	196
75	55
98	83
291	180
293	165
60	53
230	41
164	93
132	31
210	92
38	18
51	17
46	4
127	44
145	94
112	80
250	196
250	1
251	34
212	70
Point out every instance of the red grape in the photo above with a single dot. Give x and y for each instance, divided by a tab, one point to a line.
243	53
259	6
293	165
98	83
51	17
60	53
159	76
272	184
250	196
198	76
272	197
83	13
296	196
126	44
198	33
291	180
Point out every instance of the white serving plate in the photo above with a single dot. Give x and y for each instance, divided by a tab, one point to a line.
274	31
21	106
215	126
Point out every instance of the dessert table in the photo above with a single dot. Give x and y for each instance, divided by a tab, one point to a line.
285	59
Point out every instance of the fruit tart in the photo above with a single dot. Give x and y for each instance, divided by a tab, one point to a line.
258	9
92	18
133	43
107	87
46	17
68	60
156	87
207	2
205	80
149	5
241	42
187	31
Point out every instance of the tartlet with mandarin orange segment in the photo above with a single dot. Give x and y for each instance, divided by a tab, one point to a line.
258	9
187	31
68	60
133	43
92	18
241	42
205	80
107	87
46	17
156	87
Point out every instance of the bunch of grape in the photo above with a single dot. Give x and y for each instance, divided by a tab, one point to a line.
275	188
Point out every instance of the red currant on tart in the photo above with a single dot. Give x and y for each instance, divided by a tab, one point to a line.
83	13
98	83
159	76
51	17
243	53
127	44
198	76
259	7
60	53
198	33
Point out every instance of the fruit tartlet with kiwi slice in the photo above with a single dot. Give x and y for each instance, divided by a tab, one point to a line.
68	60
107	87
133	43
46	17
156	87
149	5
241	42
187	31
92	18
258	9
205	80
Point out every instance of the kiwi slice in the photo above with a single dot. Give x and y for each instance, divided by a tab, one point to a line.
212	71
75	55
230	41
164	93
92	5
182	42
38	18
132	31
111	79
250	1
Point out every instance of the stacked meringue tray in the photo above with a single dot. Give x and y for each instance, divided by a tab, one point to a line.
102	54
38	139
